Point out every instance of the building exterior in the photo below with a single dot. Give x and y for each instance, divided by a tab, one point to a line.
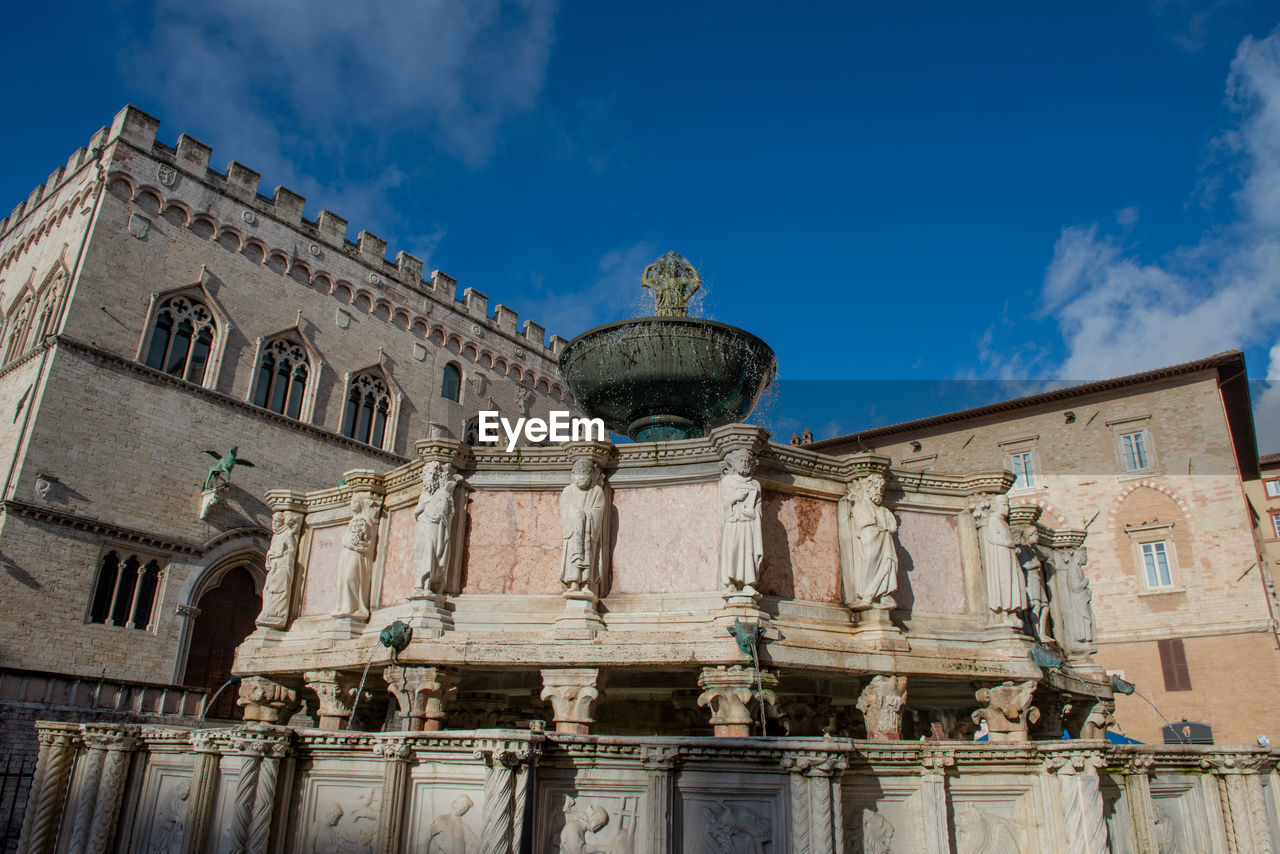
1153	465
1264	502
155	309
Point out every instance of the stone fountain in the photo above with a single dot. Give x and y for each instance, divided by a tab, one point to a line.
669	376
713	644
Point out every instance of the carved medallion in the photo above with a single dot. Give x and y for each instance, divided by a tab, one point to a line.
166	175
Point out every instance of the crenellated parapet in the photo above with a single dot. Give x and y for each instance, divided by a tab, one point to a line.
319	251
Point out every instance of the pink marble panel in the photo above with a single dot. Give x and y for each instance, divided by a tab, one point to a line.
930	573
321	592
397	574
665	539
513	543
801	548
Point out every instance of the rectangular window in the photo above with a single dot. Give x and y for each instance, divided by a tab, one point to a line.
1173	662
1275	523
1134	450
1272	487
1023	470
1155	557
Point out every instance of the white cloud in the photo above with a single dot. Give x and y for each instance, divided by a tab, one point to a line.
1118	314
613	294
333	85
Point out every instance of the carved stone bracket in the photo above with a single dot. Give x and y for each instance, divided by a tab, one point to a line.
422	694
881	704
1008	711
266	701
731	695
573	693
337	692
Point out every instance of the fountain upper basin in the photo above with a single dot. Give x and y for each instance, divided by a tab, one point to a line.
659	378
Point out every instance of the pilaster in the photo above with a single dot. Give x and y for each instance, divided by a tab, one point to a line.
396	754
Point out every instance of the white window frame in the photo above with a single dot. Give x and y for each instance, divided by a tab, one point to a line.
1268	483
1023	447
1275	524
1152	555
1152	535
1138	426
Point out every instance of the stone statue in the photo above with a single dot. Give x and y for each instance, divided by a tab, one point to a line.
673	281
1101	716
979	832
579	820
582	508
328	840
282	557
433	522
169	837
1037	591
741	538
220	472
447	834
877	833
1008	711
881	704
875	554
1077	632
355	565
1006	589
734	829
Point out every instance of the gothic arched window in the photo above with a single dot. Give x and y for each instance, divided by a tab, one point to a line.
282	377
125	594
19	323
367	410
182	338
451	385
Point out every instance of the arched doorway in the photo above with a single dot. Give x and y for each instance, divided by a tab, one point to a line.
227	614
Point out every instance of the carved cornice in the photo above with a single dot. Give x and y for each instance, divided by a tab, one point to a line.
80	522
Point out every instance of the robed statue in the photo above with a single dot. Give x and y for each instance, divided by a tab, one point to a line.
875	552
432	528
741	536
582	528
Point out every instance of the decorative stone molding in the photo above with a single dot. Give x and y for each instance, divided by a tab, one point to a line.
573	693
881	703
266	701
1008	711
422	694
732	696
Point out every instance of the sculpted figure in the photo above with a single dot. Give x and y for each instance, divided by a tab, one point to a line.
1006	589
741	538
582	506
735	829
875	556
877	833
1078	633
433	521
328	840
881	705
1008	710
355	566
448	835
282	556
1037	591
1099	718
579	820
169	837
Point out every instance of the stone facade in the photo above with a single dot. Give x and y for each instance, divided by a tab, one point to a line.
106	427
1198	447
278	789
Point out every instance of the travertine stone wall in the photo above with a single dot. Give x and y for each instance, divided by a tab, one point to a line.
264	788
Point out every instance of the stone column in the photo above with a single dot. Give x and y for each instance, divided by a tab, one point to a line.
421	693
1137	796
1080	793
48	786
573	693
660	763
395	791
730	693
265	701
119	746
506	794
204	785
336	691
815	802
1245	802
261	750
933	801
87	796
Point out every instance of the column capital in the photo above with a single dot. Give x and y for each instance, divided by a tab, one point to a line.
573	693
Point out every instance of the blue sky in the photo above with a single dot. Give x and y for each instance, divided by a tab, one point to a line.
889	191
